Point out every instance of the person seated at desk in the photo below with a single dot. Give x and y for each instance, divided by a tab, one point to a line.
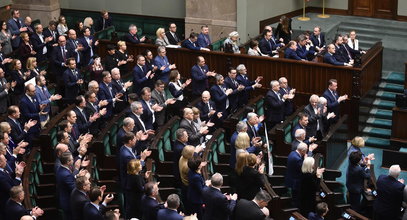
290	52
329	57
190	43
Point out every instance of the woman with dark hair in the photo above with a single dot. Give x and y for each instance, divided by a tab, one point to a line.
176	89
20	77
5	38
355	178
134	188
148	55
254	49
196	184
251	178
79	28
26	49
62	27
284	30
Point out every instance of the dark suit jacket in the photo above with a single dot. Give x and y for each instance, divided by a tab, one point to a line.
274	107
134	192
140	80
106	92
196	185
78	202
82	122
220	98
71	87
329	58
332	102
293	175
288	104
340	54
16	76
160	117
138	126
203	40
234	97
111	61
315	41
245	93
303	53
99	23
314	216
131	38
190	45
217	206
351	50
355	177
17	131
199	79
291	54
6	182
248	210
14	210
193	135
47	33
204	110
58	59
147	115
65	183
168	214
91	213
38	46
124	157
250	183
87	49
389	196
313	121
3	95
73	45
150	208
15	30
171	39
309	187
29	111
266	47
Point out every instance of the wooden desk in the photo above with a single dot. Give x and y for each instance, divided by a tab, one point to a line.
398	128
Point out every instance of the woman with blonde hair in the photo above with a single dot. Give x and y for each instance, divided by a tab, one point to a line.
20	77
26	49
134	188
356	144
242	143
123	56
62	27
241	161
32	66
162	39
88	22
309	185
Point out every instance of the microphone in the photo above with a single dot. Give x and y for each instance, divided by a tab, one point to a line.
219	36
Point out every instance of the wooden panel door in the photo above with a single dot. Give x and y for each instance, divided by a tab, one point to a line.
362	8
385	9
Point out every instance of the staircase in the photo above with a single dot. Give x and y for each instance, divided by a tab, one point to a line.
376	110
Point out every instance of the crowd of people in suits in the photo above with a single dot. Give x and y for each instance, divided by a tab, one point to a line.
67	52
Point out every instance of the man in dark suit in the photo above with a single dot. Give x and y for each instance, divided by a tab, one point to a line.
120	87
331	59
199	75
220	95
349	50
291	51
159	97
171	212
255	209
51	32
217	205
177	147
7	181
4	90
136	112
340	54
132	37
203	38
141	76
14	207
318	39
249	85
333	99
73	81
191	43
268	44
304	50
79	197
172	36
274	105
16	27
163	65
66	183
285	89
60	55
389	195
19	132
232	83
316	115
31	109
95	107
149	109
320	211
89	45
95	209
40	43
195	136
83	120
207	108
104	21
73	44
128	126
150	205
106	92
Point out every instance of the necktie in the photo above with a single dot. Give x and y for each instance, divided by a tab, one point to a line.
234	82
142	123
209	107
63	53
18	23
84	116
43	91
254	131
53	35
19	125
175	37
334	94
104	23
319	40
353	44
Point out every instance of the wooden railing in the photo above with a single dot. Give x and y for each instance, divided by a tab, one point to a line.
333	146
26	178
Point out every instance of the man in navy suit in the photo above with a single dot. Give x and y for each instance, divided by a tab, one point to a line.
141	76
104	21
16	27
89	45
217	205
132	37
31	109
149	108
349	50
268	44
120	87
106	92
285	89
170	213
255	209
44	97
207	108
73	81
163	65
318	39
172	35
291	51
19	131
305	51
191	43
50	31
79	197
331	59
232	83
333	99
95	209
220	95
83	120
60	55
274	105
40	43
15	208
74	45
203	38
293	174
340	54
150	205
389	195
320	211
249	85
199	75
7	181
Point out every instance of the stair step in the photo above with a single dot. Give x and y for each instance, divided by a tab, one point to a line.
385	95
377	132
384	104
381	113
395	26
279	169
394	77
377	142
166	180
392	87
373	30
379	122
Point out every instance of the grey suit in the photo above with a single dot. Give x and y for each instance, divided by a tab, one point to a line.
160	100
3	96
314	120
194	136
